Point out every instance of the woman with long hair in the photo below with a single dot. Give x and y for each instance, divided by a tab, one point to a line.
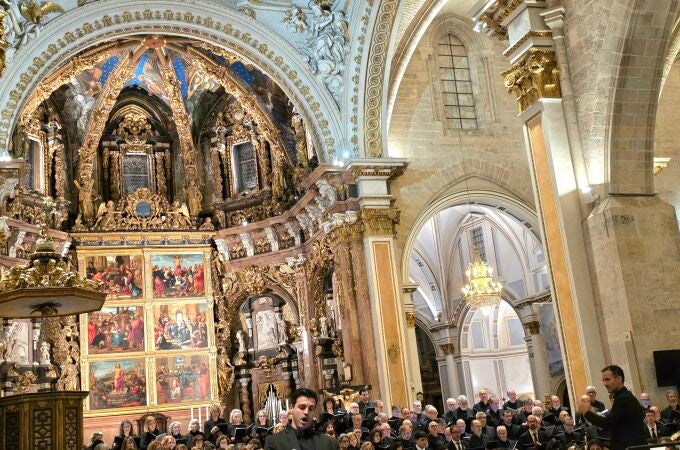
124	431
149	433
353	441
343	442
129	444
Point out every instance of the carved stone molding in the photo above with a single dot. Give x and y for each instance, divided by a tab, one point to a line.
379	221
410	319
534	76
377	61
448	349
532	327
390	172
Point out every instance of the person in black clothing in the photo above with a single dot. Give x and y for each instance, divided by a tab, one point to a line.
301	435
96	439
556	407
667	412
569	436
450	414
483	404
513	402
124	431
456	442
533	435
210	428
625	418
514	431
502	438
493	414
595	403
463	412
653	429
521	416
478	439
435	441
150	432
364	401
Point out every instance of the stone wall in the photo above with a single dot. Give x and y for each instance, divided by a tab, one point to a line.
439	158
666	142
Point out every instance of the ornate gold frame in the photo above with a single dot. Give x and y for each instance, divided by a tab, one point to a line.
147	301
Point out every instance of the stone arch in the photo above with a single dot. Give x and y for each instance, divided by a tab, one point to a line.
638	75
511	204
225	28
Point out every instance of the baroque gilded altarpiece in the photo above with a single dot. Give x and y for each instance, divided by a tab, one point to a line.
174	364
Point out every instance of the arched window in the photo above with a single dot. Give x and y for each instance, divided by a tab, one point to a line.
455	84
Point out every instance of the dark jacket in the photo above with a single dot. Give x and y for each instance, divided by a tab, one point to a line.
624	421
525	439
287	440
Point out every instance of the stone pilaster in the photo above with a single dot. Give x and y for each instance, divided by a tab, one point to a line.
538	358
386	308
636	260
535	79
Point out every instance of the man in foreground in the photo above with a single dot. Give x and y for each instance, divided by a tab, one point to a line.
300	434
626	416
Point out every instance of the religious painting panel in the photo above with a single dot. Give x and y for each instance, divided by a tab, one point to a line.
180	326
548	328
182	379
178	275
116	329
121	274
119	383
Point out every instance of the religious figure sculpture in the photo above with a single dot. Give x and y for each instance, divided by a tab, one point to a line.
85	198
207	225
323	327
300	140
106	216
327	45
241	341
194	198
281	329
44	353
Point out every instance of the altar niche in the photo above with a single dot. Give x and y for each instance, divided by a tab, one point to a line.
265	361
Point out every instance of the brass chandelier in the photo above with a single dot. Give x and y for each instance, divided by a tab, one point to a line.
481	290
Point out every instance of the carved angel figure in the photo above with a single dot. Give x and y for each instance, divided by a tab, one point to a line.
281	329
323	327
106	216
17	31
178	216
44	353
295	20
85	198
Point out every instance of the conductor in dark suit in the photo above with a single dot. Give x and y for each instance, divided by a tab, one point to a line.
626	416
300	434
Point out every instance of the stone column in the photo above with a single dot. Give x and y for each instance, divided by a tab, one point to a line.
386	309
413	376
538	359
535	80
452	385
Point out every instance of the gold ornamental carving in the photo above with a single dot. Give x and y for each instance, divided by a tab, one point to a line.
393	353
533	77
24	381
533	327
258	52
265	364
141	210
448	349
3	44
379	221
410	319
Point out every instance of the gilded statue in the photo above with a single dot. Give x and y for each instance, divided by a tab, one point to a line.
300	141
85	203
106	216
178	216
207	225
194	198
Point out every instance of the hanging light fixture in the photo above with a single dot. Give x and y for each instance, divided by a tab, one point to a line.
481	290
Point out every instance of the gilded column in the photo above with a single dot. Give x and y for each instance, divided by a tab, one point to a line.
535	80
386	308
352	329
308	368
263	161
217	170
116	176
161	182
